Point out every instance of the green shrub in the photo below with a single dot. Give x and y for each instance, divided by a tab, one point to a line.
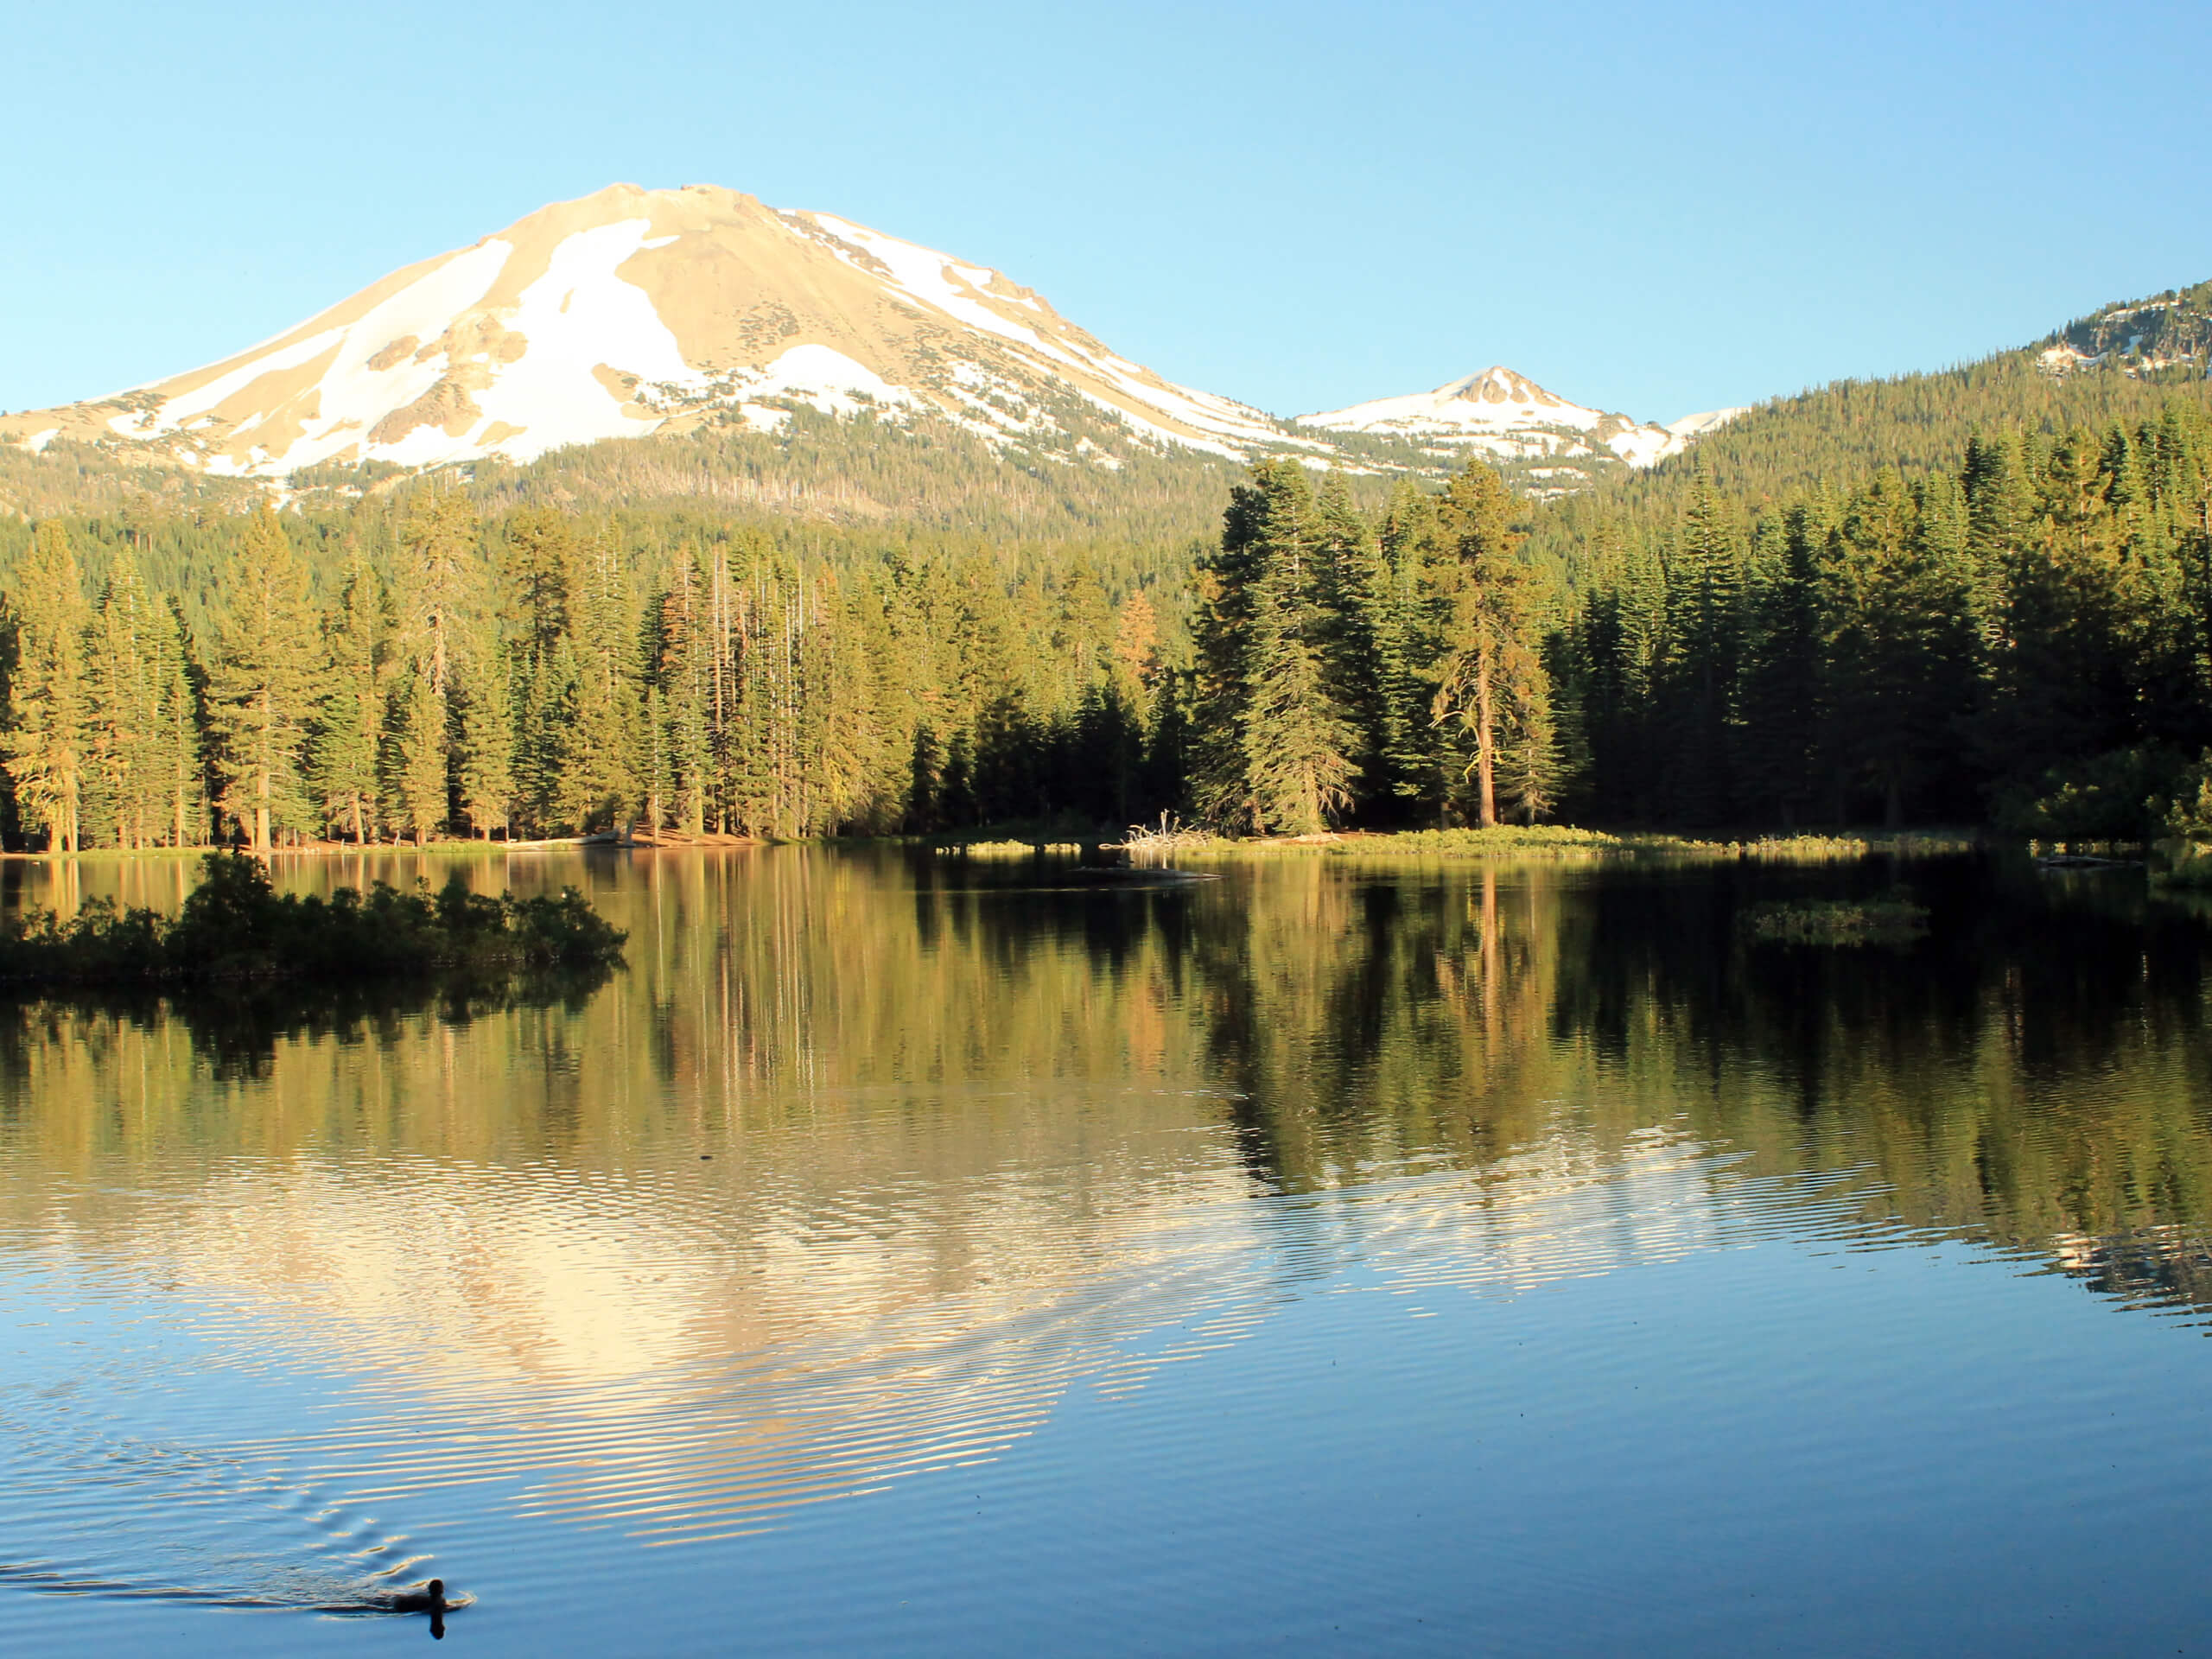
234	925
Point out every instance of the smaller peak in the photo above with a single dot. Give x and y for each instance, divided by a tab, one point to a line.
1496	384
1497	372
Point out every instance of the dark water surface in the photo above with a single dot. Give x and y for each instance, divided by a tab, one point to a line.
1336	1257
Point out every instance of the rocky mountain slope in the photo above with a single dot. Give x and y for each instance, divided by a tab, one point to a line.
2169	333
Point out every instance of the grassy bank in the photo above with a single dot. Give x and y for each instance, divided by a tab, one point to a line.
1558	841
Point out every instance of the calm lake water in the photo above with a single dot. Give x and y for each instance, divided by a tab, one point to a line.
909	1257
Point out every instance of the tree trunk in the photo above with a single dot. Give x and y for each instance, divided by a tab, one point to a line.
1485	744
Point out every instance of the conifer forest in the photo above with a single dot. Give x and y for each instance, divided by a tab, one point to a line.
2017	634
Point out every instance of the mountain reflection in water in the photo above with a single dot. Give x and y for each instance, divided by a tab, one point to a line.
870	1158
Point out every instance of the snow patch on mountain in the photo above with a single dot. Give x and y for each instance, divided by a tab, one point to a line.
920	273
828	380
975	296
1696	426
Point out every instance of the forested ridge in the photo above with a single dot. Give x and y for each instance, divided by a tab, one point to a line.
1984	595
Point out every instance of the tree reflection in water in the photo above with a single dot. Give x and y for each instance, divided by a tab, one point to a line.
2032	1072
869	1156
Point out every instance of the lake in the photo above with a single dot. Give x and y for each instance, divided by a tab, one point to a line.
914	1255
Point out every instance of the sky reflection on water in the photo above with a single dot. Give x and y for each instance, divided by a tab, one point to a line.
902	1257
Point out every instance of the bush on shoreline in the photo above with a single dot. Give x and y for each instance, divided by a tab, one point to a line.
235	927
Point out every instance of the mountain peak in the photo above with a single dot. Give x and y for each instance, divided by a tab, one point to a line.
1496	385
631	311
1501	413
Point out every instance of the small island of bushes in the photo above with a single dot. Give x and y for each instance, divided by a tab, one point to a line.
235	927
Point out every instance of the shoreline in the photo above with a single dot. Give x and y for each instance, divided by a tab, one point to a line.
1503	841
666	841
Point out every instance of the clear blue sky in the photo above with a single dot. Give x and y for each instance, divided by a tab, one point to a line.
1652	208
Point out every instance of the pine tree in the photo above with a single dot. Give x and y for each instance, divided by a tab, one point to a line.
1617	638
1402	615
49	695
1785	714
600	777
487	753
1137	649
145	729
1489	675
350	724
1697	671
1271	742
180	745
537	582
1296	739
435	589
1901	630
418	754
126	674
263	687
1082	626
1366	647
841	731
438	548
683	686
2058	692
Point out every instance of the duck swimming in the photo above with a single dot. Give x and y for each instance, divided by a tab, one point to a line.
431	1600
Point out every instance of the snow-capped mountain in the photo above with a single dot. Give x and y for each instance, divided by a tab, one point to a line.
634	311
1511	417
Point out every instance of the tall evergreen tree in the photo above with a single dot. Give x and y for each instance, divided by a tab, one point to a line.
601	781
350	724
1785	721
417	767
1272	741
1489	674
49	696
262	694
127	800
1697	670
537	579
144	737
488	757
